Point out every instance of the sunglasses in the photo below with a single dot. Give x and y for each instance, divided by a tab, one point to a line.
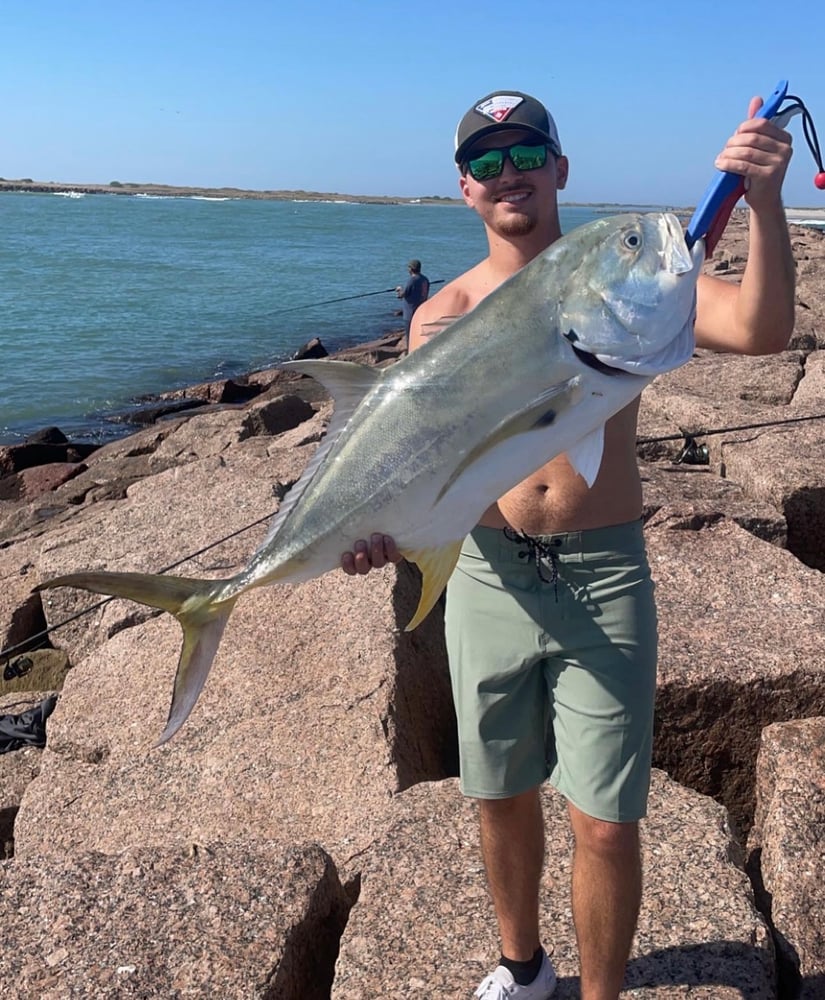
490	163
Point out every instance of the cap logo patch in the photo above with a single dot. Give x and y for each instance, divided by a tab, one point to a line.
499	107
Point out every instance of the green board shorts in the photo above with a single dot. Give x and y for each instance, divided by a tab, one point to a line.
553	662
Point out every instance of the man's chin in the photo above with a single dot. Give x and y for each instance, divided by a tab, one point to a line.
515	224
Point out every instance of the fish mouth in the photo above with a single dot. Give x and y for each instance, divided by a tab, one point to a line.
592	361
675	353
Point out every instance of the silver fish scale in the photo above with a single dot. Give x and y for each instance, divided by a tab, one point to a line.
434	408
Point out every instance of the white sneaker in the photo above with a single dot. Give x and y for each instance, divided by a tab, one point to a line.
501	985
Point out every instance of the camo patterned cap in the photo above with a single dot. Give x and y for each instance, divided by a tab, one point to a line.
506	109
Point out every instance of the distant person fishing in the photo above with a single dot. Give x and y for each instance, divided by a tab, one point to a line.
413	293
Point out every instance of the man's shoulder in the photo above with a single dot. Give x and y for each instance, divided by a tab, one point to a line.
455	298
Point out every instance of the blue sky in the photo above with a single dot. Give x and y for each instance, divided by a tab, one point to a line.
363	98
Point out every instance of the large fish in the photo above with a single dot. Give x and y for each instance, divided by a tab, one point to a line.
419	450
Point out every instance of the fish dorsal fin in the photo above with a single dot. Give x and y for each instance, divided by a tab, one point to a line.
347	382
436	567
586	455
538	413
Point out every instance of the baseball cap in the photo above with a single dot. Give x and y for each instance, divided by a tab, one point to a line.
505	109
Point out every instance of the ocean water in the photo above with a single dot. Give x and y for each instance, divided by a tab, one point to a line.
106	298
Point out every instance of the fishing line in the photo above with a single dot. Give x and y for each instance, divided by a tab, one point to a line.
344	298
5	654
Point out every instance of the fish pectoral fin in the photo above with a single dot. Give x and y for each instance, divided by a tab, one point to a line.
586	455
436	567
192	602
539	413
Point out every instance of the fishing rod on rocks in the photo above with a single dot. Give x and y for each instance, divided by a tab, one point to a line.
693	453
343	298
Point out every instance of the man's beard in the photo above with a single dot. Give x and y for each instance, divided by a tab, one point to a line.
516	225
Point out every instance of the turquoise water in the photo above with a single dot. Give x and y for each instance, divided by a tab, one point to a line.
104	298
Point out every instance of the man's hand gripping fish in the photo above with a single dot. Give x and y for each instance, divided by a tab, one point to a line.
420	450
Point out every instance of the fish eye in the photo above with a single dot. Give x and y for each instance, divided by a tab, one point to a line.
632	240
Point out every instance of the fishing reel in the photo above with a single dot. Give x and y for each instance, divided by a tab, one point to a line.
17	668
692	452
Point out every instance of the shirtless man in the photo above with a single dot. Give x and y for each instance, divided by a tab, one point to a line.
550	622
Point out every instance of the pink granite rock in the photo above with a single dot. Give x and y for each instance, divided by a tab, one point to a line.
235	920
787	847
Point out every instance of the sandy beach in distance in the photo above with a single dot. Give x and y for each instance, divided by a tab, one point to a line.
805	214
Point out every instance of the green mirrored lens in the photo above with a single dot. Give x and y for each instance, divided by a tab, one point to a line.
528	157
491	162
488	165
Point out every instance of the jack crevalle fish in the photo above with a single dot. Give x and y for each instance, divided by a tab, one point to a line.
420	450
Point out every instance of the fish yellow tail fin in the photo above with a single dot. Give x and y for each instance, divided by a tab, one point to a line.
192	602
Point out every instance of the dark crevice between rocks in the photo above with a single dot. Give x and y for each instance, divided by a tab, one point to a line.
29	661
789	979
708	739
421	727
803	512
28	628
420	731
284	413
7	818
307	967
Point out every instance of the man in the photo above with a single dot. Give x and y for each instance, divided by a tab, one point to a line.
550	618
413	293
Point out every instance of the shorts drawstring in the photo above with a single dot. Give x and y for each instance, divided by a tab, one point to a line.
537	550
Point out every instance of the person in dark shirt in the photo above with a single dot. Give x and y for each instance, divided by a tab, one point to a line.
413	293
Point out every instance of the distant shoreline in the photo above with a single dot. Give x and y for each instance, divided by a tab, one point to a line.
171	191
794	214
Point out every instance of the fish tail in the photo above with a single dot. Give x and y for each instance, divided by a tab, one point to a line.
196	606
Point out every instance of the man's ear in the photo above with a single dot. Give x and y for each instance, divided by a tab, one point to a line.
562	168
464	187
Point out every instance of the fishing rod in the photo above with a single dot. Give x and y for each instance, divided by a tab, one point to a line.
344	298
729	430
694	453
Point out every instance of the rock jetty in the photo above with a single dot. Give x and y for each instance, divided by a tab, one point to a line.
303	836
